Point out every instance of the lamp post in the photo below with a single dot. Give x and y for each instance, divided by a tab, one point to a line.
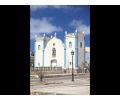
72	53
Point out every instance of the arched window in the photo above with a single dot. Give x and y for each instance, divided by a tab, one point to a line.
53	52
70	44
53	44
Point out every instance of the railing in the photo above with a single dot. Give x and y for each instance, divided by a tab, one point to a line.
48	69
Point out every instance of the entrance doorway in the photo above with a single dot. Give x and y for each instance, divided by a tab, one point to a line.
53	63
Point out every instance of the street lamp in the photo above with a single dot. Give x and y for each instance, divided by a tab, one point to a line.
72	53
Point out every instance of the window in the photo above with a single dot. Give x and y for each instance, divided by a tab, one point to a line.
53	52
80	44
38	47
53	44
70	44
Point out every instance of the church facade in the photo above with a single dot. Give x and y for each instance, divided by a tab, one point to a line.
52	52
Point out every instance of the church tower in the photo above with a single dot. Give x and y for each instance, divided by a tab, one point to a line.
74	41
70	45
81	49
40	43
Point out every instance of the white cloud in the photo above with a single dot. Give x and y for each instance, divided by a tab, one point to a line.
36	7
44	25
80	26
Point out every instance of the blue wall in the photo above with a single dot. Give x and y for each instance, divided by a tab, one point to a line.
65	52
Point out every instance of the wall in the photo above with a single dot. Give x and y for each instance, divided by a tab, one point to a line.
81	50
59	52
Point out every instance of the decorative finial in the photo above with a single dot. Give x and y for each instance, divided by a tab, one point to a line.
35	36
55	34
76	30
44	35
65	32
51	36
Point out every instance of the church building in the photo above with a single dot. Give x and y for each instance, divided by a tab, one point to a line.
52	52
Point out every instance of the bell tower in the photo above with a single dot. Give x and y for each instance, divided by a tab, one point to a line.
81	49
74	41
70	46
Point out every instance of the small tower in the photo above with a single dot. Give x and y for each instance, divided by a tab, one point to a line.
70	45
81	49
39	50
74	41
40	44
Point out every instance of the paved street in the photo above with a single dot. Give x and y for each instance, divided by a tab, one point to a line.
63	85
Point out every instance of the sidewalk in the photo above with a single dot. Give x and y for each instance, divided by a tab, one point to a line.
66	87
83	90
60	75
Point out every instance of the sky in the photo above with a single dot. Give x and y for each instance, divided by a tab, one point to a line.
59	18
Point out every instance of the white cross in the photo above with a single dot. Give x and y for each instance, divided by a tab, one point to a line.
44	35
55	34
65	32
76	30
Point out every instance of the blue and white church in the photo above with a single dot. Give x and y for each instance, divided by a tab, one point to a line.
52	52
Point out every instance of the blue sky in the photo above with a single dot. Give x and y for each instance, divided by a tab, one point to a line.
51	19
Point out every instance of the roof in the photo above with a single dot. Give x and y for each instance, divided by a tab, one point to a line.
58	40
